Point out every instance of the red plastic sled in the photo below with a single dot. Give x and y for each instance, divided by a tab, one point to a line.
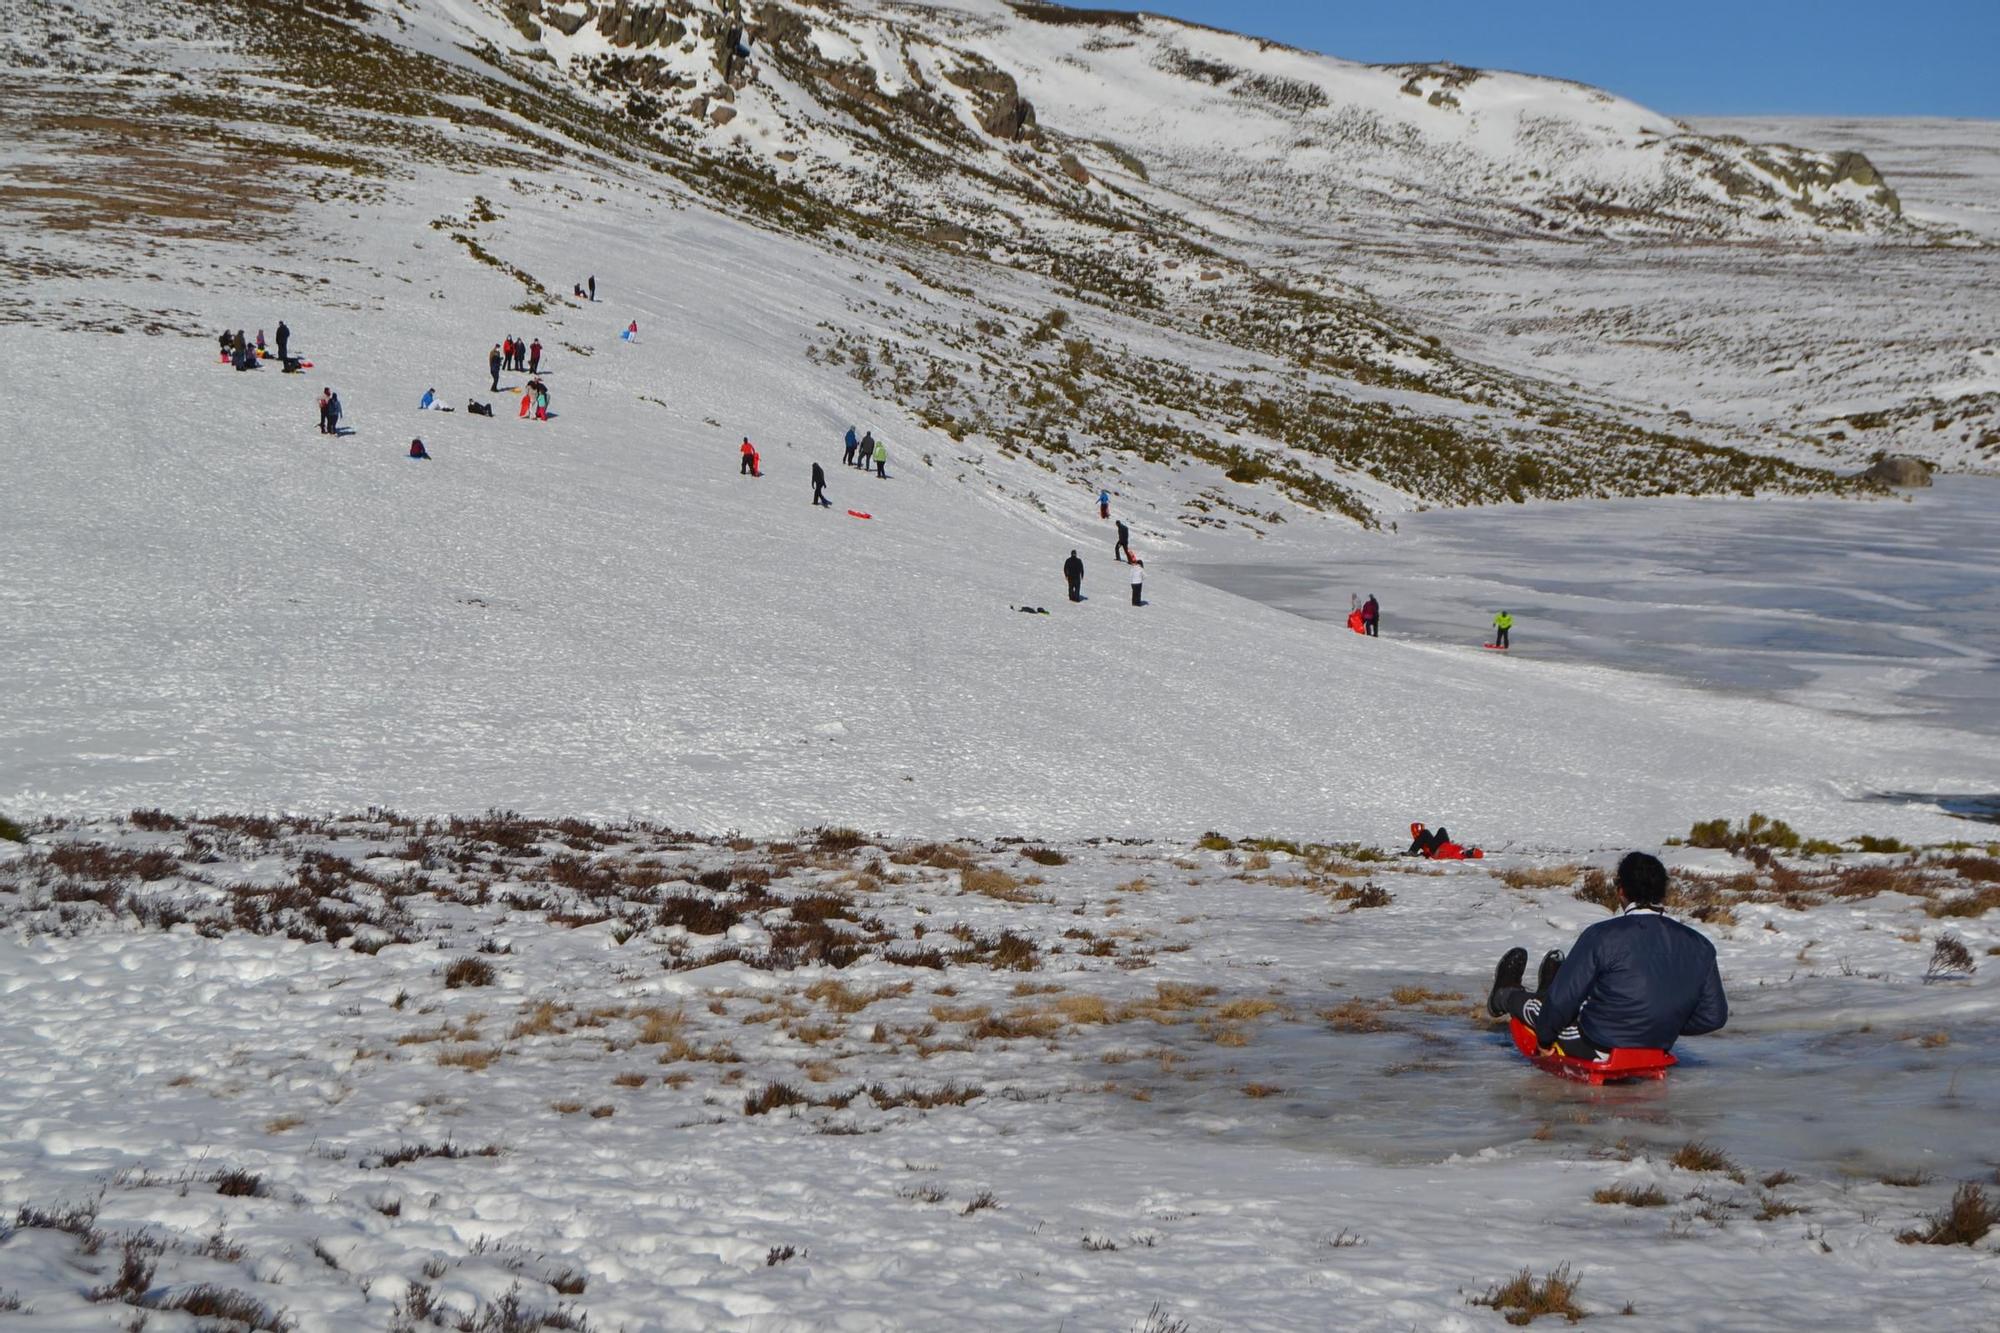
1626	1063
1492	647
856	513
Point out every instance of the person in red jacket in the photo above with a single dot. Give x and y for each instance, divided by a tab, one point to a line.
751	464
535	357
417	449
1371	616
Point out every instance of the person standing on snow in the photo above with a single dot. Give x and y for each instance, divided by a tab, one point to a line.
1371	617
1124	543
866	452
848	446
493	366
326	412
1104	505
749	467
819	487
593	296
1638	981
881	460
535	357
1073	575
284	337
1138	582
1502	624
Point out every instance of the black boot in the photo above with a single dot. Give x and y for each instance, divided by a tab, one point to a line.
1552	962
1507	976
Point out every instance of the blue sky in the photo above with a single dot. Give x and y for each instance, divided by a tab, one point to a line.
1696	57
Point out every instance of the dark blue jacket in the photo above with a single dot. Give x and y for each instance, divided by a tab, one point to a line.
1641	979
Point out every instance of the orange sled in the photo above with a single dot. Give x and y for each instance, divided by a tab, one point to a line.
1625	1064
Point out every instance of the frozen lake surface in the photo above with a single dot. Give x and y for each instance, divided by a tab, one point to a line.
1871	609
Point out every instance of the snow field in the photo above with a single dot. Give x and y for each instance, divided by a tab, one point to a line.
598	616
1208	1082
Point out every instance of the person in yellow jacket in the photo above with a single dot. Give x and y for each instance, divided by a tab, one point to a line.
1501	624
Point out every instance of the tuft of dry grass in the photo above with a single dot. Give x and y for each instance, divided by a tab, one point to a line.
842	999
1964	1222
1261	1090
1632	1196
991	883
468	1057
1523	1299
1356	1015
1698	1156
279	1124
469	972
959	1013
568	1106
1244	1010
540	1019
1540	877
630	1080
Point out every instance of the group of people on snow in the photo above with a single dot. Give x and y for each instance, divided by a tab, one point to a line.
865	451
1121	550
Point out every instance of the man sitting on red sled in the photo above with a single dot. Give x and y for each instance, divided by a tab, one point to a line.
1635	982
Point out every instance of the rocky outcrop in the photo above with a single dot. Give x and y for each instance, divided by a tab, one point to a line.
1856	167
1906	472
1003	112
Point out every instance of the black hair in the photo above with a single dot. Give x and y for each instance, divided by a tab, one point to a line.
1642	879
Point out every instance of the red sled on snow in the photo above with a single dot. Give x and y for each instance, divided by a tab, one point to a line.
1493	647
856	513
1356	623
1623	1065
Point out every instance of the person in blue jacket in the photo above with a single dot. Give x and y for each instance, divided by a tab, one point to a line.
1640	980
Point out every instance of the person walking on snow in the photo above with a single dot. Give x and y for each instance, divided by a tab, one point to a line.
848	447
1073	575
1640	980
326	412
1502	623
1138	582
593	296
1124	543
1104	505
749	467
493	366
535	357
819	487
284	338
1371	617
867	451
881	460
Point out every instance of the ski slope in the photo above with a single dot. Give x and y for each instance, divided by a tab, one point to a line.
214	606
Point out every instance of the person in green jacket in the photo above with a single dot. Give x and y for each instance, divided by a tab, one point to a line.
881	458
1501	624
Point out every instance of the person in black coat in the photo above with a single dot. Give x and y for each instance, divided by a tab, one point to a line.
493	363
284	336
819	487
1124	546
1073	575
1638	980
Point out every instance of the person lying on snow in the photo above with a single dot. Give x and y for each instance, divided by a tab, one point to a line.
1640	980
1436	845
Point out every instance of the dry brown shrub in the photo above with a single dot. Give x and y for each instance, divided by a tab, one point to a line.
630	1079
1025	988
1975	904
1698	1156
1226	1034
1244	1010
279	1124
1261	1090
602	1112
1411	997
1632	1196
959	1013
566	1107
1017	1023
